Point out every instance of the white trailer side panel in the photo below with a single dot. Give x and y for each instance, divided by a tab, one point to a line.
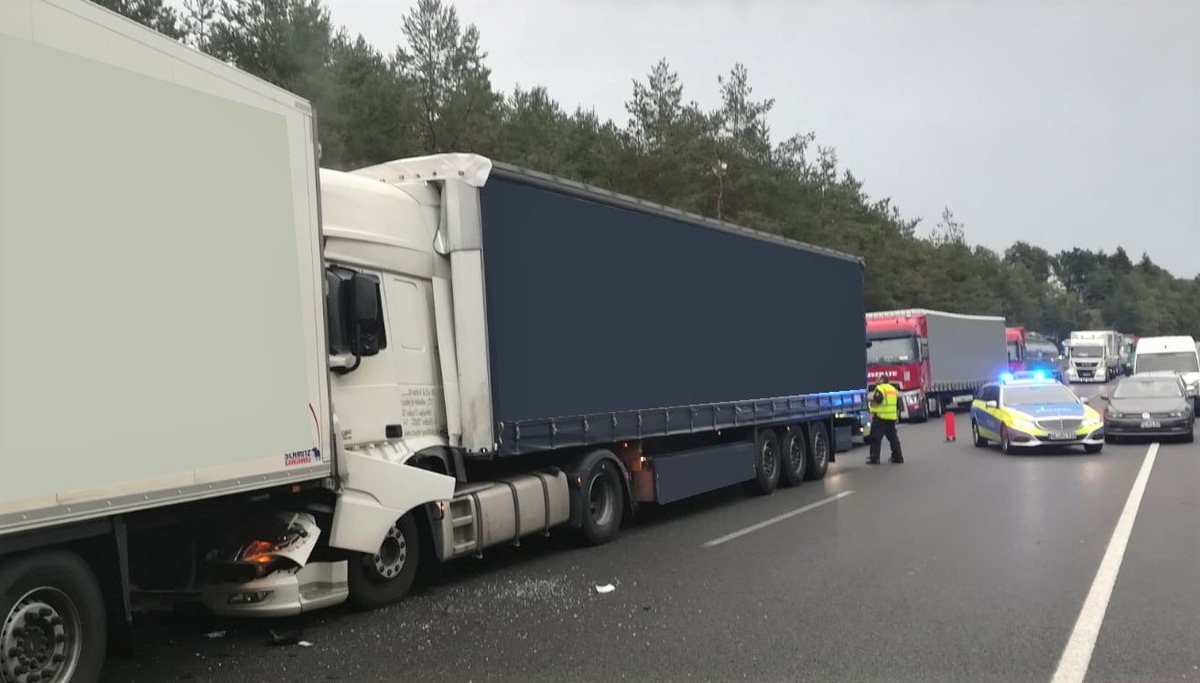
965	349
161	295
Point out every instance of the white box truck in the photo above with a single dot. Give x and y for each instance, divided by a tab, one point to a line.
232	377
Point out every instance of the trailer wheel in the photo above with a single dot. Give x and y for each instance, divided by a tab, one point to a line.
818	451
767	464
385	577
603	502
795	457
53	623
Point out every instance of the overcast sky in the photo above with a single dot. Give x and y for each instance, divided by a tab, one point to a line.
1065	123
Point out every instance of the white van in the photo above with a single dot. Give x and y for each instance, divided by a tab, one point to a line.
1178	354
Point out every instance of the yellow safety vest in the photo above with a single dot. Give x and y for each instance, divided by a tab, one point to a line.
890	408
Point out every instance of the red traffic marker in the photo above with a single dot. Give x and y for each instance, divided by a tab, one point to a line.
951	428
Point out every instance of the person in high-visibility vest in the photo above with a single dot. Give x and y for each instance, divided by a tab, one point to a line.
885	413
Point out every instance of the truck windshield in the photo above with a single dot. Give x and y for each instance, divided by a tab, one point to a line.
1014	351
1041	351
1035	395
892	351
1178	361
1088	351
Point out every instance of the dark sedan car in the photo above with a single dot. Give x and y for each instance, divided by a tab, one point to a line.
1149	404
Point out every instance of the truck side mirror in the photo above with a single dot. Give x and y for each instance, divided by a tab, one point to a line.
364	300
356	318
365	309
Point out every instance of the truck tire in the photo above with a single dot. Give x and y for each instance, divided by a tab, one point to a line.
603	503
52	619
819	449
386	577
793	450
767	463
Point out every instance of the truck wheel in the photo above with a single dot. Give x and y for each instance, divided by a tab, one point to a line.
767	464
795	457
385	577
603	503
818	451
52	619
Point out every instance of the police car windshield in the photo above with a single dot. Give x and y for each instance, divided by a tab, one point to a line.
1037	394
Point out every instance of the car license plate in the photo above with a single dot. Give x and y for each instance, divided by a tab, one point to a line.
1151	424
1062	436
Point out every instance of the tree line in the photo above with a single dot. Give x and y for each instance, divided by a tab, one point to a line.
434	94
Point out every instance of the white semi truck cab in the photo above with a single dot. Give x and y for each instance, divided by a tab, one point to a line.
1092	356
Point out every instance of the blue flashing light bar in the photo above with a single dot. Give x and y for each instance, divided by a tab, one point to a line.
1007	377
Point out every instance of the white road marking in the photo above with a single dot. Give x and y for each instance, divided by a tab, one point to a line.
1073	665
775	520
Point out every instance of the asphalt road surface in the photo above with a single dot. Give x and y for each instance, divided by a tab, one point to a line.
961	564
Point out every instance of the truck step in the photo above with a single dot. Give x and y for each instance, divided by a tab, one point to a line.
464	520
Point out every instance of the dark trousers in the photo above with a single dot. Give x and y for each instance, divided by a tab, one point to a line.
881	429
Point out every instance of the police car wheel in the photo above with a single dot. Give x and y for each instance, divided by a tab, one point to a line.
980	442
1005	444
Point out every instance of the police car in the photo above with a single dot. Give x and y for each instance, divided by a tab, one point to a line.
1030	410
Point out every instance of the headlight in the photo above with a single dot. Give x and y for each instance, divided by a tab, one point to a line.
1023	424
1115	413
1178	413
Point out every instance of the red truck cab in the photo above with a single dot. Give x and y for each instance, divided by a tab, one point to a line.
898	352
1017	348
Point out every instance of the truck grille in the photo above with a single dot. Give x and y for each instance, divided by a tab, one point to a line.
1060	424
1087	365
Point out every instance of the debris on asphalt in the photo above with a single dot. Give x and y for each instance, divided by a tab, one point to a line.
285	638
606	588
215	634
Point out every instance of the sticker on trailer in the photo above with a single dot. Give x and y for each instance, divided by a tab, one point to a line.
311	456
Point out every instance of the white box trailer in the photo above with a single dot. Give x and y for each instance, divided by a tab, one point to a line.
163	339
